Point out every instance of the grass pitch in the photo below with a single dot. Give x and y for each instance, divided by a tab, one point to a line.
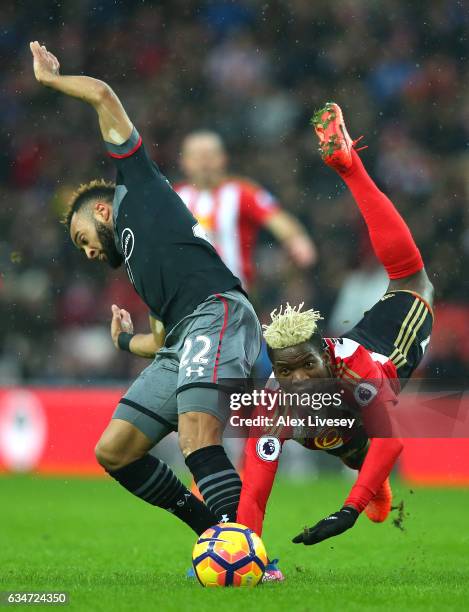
112	552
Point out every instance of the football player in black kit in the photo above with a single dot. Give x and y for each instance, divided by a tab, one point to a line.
204	327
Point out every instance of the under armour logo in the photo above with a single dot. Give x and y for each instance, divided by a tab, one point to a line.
224	519
199	371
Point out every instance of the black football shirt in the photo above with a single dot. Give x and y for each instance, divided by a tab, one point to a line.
169	261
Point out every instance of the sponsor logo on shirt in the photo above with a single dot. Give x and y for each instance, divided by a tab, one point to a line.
328	439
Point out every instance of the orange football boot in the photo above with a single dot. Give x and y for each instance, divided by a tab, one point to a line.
335	144
379	507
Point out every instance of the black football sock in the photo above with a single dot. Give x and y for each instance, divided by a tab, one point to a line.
217	480
155	482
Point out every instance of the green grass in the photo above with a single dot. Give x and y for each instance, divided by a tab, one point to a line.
111	552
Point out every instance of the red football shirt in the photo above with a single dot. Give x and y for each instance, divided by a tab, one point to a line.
232	215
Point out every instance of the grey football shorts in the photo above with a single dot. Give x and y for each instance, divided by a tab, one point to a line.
220	339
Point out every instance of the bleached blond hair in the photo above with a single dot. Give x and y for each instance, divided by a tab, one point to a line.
290	326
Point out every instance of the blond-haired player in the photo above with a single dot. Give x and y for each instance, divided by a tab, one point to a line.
374	359
233	209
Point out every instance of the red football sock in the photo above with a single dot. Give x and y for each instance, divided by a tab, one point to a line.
390	236
379	461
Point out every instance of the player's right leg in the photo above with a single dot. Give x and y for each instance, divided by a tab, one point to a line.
220	340
390	236
399	325
146	414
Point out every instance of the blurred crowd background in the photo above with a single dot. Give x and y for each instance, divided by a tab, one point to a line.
253	71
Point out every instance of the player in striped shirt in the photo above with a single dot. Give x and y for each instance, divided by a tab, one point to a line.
374	359
232	210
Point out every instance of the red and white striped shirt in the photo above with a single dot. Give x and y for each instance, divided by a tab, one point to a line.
232	215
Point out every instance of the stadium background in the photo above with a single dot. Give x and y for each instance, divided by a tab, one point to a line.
253	71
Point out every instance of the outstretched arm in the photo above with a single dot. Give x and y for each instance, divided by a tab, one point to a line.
258	479
379	461
114	123
294	238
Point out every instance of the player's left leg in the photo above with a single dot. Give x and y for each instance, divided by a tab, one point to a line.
143	417
390	236
220	340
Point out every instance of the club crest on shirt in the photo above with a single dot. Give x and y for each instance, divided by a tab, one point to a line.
127	243
365	393
268	448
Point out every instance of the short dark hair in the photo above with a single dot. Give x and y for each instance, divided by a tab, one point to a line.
98	189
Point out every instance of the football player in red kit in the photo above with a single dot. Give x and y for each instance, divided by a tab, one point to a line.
385	347
232	210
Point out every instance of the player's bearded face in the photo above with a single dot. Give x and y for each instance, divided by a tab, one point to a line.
108	245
